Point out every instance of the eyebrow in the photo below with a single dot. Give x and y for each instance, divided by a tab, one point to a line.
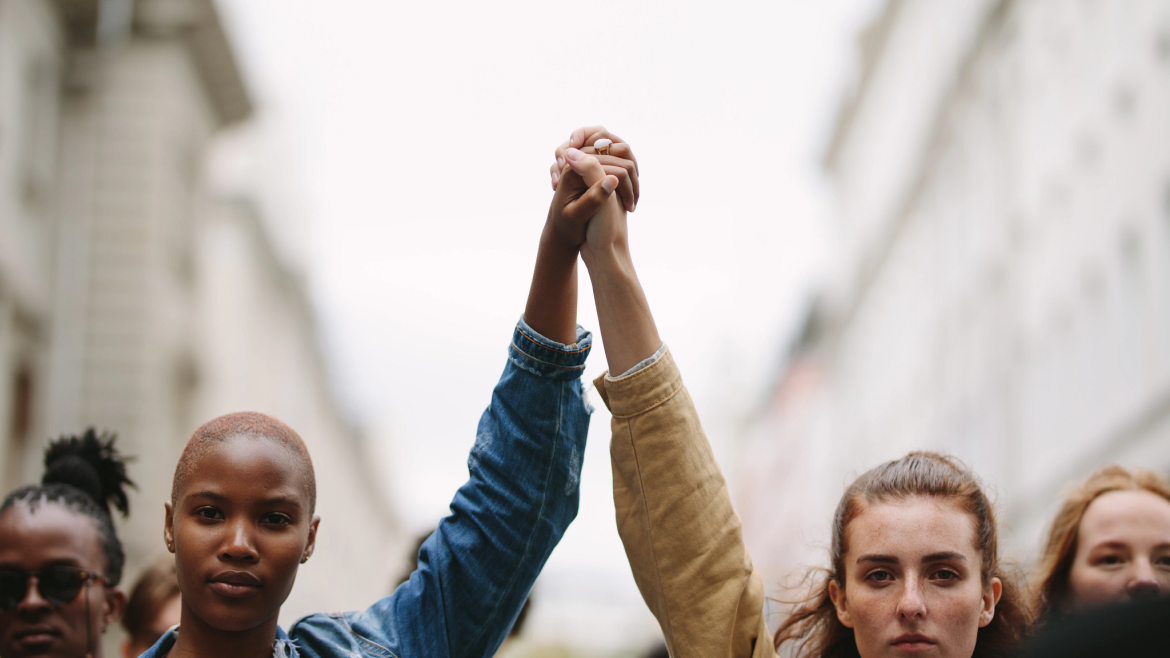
933	557
275	500
945	556
281	500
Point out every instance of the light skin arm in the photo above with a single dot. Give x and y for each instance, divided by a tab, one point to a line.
627	326
673	511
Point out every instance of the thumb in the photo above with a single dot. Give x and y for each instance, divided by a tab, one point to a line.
587	205
586	166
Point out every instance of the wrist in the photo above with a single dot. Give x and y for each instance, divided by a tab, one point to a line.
555	244
613	255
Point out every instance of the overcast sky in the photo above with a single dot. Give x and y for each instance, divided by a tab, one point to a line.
401	153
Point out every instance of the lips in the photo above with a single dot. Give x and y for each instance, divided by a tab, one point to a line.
235	584
39	634
913	642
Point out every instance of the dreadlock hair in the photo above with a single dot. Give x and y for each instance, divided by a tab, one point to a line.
84	474
813	628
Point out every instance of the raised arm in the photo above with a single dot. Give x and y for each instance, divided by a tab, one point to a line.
476	570
674	513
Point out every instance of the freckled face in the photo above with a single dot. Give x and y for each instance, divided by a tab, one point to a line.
1123	549
53	536
240	528
912	581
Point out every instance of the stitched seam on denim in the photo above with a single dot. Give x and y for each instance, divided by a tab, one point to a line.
365	640
523	365
543	499
547	347
653	552
517	348
654	404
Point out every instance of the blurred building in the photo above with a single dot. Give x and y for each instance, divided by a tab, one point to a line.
132	297
1002	284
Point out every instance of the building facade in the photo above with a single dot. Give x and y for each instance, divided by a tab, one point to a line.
132	297
1001	289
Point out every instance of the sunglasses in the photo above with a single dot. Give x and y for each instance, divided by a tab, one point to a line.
57	585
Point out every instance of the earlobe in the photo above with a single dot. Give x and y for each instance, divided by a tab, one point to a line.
837	595
990	599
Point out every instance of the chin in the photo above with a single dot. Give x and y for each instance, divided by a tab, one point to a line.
226	618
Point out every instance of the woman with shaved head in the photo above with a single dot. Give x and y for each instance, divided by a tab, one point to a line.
241	518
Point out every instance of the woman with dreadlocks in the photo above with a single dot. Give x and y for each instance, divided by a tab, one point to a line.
60	559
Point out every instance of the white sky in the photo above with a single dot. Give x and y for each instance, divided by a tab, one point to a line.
402	154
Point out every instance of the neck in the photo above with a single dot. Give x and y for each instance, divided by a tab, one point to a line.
197	639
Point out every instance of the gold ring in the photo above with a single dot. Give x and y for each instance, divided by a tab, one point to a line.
602	146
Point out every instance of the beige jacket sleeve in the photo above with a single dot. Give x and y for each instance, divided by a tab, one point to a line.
674	514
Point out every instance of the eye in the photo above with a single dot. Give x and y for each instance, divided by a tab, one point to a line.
1110	560
276	518
880	577
1163	561
945	574
209	513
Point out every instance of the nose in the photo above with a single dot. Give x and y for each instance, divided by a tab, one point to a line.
911	603
32	602
238	544
1142	583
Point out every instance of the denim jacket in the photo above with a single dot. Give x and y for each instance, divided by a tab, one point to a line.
476	570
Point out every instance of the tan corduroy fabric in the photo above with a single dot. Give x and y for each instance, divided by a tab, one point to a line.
682	536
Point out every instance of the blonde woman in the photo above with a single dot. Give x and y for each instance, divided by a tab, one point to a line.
1109	542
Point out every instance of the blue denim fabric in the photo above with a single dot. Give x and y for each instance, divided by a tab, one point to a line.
476	570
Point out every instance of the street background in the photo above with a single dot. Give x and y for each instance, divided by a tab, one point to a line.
866	227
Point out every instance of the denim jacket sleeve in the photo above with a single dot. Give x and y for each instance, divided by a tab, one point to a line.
476	570
674	514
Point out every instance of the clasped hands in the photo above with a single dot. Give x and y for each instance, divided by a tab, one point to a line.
593	192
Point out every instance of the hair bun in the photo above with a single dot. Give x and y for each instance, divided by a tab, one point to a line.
91	463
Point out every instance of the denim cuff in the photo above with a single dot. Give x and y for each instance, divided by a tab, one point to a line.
547	358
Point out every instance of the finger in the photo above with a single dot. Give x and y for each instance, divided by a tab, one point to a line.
599	133
618	149
554	173
626	185
586	166
631	191
576	140
589	203
569	187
